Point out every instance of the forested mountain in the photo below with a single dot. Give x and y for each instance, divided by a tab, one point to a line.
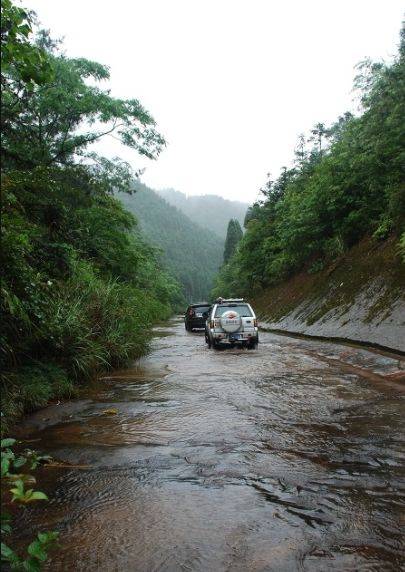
192	253
350	183
209	211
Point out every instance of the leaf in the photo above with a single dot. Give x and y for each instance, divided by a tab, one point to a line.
7	454
6	551
47	537
32	565
5	465
8	555
111	411
18	490
8	442
36	549
25	30
19	462
5	528
38	495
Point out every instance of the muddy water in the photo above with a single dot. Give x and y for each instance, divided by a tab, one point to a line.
290	457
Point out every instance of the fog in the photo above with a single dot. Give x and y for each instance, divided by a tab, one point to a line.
231	84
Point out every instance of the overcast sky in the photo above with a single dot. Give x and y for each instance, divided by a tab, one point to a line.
230	83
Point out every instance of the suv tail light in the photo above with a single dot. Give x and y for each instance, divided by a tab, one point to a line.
211	323
255	322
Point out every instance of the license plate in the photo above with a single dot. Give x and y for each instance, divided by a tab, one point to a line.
235	337
199	315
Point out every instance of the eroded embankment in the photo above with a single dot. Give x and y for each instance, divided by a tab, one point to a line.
359	297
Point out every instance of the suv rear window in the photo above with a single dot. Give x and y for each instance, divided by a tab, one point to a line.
199	309
242	309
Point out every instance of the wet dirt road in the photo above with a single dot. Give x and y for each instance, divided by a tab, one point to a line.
290	457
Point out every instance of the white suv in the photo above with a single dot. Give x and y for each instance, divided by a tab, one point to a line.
231	321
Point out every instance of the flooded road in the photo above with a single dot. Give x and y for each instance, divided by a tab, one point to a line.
290	457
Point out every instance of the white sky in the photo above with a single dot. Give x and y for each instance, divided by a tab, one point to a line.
231	83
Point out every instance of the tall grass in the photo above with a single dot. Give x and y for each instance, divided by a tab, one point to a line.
90	323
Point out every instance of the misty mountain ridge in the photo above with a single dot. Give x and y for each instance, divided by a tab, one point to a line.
209	211
192	254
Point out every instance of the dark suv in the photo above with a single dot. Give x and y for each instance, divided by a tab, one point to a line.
195	316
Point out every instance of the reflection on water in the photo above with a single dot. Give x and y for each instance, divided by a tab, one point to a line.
290	457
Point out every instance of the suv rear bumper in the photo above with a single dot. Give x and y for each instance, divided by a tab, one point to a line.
195	322
236	337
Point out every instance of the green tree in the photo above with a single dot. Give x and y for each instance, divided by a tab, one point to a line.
336	194
80	286
319	133
192	253
20	59
41	121
233	236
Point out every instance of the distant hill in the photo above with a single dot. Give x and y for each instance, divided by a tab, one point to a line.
193	254
209	211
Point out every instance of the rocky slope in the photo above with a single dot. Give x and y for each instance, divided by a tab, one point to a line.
359	297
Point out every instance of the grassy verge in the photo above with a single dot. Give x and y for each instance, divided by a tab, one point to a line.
88	325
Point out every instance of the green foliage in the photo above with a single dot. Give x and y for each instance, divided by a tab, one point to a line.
14	490
228	280
402	246
233	236
80	286
19	58
350	184
40	121
193	254
225	283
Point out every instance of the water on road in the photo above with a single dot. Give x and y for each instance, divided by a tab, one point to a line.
289	457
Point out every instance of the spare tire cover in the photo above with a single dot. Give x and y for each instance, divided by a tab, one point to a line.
231	321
